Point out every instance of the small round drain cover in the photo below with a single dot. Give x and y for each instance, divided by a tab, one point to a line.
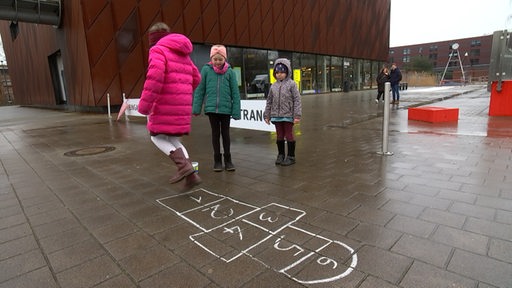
89	151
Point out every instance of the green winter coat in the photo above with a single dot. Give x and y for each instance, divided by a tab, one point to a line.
218	92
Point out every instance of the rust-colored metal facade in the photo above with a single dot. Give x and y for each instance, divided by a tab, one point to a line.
103	43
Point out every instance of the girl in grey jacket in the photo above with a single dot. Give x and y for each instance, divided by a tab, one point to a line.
284	110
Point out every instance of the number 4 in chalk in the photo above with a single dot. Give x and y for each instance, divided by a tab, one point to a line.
232	231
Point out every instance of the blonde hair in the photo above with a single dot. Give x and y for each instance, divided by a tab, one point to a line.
160	26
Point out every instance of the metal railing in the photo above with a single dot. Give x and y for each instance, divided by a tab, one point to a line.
47	12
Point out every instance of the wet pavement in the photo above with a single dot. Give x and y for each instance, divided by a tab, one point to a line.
85	200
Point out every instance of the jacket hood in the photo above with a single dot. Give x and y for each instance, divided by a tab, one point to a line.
176	42
285	62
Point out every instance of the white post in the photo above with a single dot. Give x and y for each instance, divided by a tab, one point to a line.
125	115
108	105
385	122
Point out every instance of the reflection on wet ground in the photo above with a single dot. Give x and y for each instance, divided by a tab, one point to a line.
438	208
473	119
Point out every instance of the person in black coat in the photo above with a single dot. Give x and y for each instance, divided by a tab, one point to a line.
382	78
395	76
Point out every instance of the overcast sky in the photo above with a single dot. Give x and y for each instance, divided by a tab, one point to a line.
416	22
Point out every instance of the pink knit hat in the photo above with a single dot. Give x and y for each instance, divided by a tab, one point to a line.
218	49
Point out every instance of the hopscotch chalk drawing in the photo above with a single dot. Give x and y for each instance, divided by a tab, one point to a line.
231	228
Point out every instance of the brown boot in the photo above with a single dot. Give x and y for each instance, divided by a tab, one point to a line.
182	163
191	181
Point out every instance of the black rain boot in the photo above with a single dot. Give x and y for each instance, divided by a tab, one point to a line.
227	162
182	163
290	159
217	166
280	152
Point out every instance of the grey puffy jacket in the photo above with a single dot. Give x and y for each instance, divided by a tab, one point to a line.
283	99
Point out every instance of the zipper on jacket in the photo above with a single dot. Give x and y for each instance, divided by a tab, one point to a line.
218	94
279	102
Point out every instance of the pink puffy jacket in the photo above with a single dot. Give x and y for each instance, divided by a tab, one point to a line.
169	86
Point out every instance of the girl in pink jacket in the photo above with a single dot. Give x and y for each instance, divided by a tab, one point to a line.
167	97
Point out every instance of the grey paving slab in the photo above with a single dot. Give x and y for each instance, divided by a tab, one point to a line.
437	213
427	276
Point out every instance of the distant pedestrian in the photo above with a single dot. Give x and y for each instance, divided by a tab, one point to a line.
283	109
395	76
382	78
167	98
220	95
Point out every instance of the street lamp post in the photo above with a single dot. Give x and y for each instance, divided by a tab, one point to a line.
469	72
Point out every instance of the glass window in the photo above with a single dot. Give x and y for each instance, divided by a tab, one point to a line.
376	66
308	72
336	74
235	59
297	75
367	74
358	74
476	43
348	74
256	73
322	68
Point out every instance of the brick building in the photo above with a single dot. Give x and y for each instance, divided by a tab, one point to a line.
475	54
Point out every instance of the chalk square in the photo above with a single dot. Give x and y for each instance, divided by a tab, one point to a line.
274	217
182	203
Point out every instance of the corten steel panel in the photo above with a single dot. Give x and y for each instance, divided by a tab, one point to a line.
31	82
192	23
121	9
210	25
100	35
242	26
115	91
286	39
267	25
298	28
77	72
132	70
148	10
90	10
318	27
227	21
137	87
277	22
95	52
173	15
127	37
255	33
103	74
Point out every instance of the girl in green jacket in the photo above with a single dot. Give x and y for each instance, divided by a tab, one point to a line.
218	93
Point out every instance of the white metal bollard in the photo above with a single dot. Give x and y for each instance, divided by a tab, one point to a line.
385	122
108	105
